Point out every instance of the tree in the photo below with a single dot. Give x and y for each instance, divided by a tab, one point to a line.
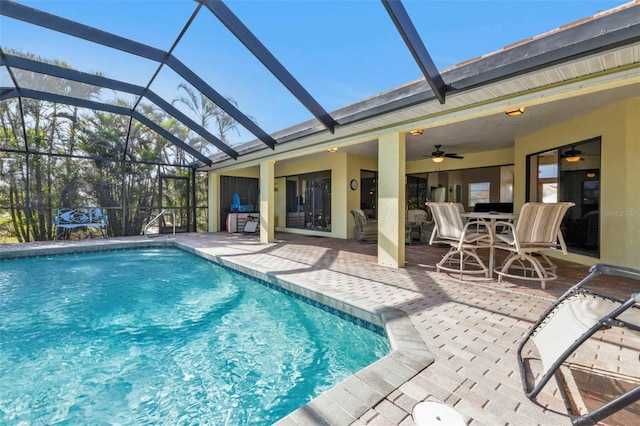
40	180
55	155
207	113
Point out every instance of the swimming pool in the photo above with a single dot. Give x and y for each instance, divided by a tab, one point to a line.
163	336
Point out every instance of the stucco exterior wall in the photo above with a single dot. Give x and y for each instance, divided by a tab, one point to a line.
619	128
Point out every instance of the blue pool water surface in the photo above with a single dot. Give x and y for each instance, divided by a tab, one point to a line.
161	336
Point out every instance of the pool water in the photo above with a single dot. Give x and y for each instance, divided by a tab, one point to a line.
162	336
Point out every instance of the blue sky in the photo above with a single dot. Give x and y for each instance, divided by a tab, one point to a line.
341	51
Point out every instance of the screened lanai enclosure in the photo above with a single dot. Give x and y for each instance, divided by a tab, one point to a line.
56	155
121	115
74	138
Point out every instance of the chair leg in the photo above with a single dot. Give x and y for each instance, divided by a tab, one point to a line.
479	262
550	266
461	257
543	274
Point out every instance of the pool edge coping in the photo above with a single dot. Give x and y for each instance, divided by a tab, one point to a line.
349	399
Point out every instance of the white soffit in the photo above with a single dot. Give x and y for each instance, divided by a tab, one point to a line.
563	80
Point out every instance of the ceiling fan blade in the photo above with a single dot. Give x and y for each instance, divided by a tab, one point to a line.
441	154
573	152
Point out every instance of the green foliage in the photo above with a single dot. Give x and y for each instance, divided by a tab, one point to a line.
414	203
74	157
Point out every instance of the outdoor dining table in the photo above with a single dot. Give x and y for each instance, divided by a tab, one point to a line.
492	218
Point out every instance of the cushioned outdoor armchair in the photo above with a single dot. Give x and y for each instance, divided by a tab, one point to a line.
366	229
422	224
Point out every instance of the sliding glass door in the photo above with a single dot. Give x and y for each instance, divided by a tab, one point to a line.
571	173
309	201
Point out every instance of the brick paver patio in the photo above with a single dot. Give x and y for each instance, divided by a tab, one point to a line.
470	329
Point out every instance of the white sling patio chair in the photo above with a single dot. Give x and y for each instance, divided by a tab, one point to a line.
435	237
569	322
463	238
537	229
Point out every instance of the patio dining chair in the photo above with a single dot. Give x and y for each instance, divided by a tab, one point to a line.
463	238
570	322
434	239
537	229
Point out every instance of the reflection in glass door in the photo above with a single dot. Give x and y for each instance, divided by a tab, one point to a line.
369	193
309	201
417	193
571	173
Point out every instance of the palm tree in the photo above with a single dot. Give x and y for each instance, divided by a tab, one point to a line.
205	111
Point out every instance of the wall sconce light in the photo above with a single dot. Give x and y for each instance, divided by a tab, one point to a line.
437	159
416	132
514	112
332	149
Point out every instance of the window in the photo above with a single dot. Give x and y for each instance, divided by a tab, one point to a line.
479	193
309	201
549	192
548	177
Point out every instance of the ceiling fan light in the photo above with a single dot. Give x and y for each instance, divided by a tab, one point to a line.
438	159
573	159
515	112
416	132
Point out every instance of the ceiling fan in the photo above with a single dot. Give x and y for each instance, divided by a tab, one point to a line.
572	155
438	156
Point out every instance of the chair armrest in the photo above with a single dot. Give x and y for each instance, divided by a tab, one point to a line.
509	239
477	223
505	224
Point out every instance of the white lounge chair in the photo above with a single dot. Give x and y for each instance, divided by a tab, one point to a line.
570	322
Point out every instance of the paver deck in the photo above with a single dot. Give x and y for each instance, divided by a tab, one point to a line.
455	341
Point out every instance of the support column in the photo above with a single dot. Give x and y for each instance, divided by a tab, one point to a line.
391	199
267	181
213	202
